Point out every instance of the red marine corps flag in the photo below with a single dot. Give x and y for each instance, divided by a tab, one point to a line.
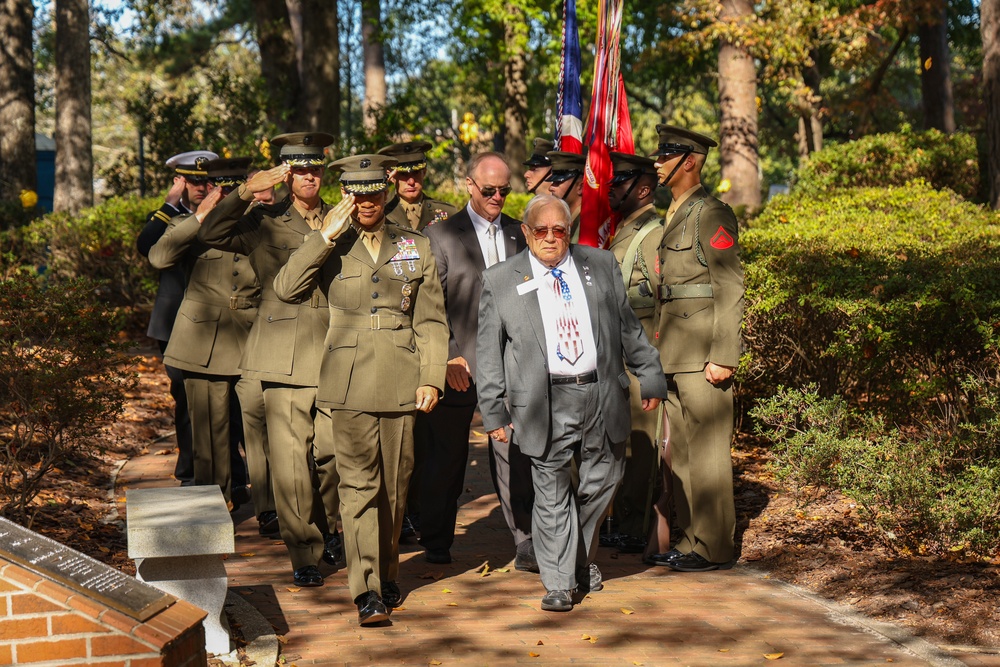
609	127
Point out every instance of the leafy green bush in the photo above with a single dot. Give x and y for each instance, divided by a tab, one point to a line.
62	379
889	297
922	493
98	244
883	160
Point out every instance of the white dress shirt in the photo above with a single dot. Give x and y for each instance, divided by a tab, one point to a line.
482	227
552	305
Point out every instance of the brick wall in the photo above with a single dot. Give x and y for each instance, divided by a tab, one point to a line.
45	624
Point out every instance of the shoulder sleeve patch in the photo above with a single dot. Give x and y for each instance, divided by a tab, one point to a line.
722	240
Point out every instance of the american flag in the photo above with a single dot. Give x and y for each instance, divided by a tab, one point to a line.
569	103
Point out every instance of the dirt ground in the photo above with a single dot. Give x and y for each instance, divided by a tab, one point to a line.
820	544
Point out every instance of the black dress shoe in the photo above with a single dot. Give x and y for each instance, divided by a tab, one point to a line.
333	550
267	524
308	576
557	601
524	559
371	610
437	556
391	595
589	579
666	558
609	539
409	530
693	563
240	495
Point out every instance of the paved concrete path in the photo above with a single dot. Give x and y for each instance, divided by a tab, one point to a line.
480	611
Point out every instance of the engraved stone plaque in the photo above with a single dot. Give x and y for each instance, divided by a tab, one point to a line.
80	572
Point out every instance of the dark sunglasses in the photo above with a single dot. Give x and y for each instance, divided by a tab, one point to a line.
541	233
490	191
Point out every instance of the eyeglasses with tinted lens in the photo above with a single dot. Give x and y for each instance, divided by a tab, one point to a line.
489	191
542	233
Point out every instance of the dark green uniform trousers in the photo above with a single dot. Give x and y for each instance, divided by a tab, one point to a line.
255	443
634	495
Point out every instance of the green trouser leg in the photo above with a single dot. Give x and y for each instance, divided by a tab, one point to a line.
256	445
208	406
633	496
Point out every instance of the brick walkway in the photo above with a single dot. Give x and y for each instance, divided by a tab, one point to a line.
454	615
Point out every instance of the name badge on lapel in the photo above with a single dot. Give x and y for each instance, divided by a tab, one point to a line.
529	285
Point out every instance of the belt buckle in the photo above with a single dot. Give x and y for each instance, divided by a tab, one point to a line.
234	303
375	322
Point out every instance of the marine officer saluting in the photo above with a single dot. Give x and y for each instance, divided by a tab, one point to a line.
383	359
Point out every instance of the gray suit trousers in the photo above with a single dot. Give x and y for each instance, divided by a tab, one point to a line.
565	520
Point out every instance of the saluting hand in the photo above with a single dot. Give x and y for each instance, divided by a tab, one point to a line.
338	218
427	398
176	191
268	178
207	204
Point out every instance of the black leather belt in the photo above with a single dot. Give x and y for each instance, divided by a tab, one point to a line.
586	378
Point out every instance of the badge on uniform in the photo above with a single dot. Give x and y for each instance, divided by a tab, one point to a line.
439	216
407	252
404	305
407	289
722	240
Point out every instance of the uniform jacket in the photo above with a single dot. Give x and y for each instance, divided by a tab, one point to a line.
388	333
461	264
286	342
513	364
219	305
700	246
431	211
647	256
172	281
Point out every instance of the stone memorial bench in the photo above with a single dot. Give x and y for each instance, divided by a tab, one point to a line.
178	537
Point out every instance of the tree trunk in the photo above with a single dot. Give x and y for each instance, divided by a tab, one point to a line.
515	99
321	66
17	100
935	71
374	59
74	154
989	23
738	108
278	64
810	134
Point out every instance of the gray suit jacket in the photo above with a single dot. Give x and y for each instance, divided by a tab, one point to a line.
513	364
460	265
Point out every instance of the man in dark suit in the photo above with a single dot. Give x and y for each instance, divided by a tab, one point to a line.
285	346
554	327
189	188
476	237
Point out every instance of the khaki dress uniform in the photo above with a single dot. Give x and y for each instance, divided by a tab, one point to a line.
429	212
641	452
388	336
701	295
284	352
207	342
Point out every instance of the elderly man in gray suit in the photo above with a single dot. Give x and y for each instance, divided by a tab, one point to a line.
554	328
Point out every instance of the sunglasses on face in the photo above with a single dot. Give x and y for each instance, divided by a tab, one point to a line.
542	233
489	192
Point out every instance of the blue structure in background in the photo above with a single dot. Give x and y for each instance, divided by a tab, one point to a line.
45	156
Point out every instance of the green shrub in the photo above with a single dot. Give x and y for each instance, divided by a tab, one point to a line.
98	244
920	492
883	160
62	379
889	297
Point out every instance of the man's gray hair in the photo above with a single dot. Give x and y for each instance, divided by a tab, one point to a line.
478	159
541	202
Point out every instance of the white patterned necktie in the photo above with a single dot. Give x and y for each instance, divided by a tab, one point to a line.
569	347
492	256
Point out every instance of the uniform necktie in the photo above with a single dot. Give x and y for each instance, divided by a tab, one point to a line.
569	347
371	243
313	219
492	256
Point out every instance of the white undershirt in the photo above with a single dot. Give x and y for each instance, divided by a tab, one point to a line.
482	227
551	303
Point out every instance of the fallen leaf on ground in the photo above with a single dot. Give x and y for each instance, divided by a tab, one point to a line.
484	569
533	654
589	638
627	612
539	643
502	569
446	590
281	638
433	662
248	554
452	604
773	656
293	590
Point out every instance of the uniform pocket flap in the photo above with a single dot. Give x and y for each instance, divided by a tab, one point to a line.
211	253
199	312
340	337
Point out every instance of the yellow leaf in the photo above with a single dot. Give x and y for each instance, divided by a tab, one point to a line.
774	656
533	654
293	590
593	640
585	637
477	433
627	612
281	638
248	554
434	662
928	63
502	569
452	604
636	662
724	650
446	590
485	570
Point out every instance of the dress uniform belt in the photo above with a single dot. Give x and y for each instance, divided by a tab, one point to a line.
698	291
585	378
243	302
641	296
346	320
